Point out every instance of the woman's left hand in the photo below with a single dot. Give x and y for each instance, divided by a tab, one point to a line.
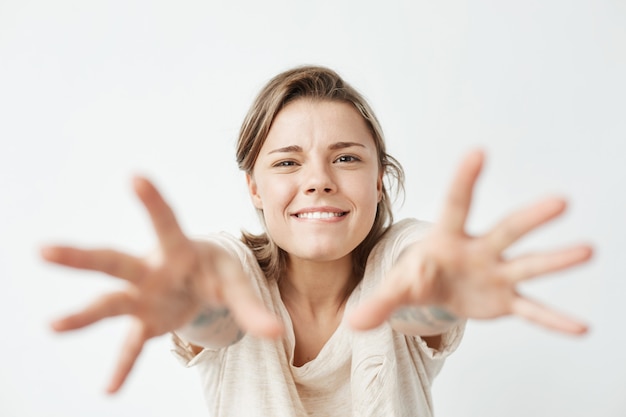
468	276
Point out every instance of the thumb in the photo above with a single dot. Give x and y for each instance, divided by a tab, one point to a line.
375	311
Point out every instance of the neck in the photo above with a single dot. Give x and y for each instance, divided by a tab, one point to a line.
317	286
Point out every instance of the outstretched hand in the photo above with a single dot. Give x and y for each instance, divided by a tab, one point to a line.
469	276
166	289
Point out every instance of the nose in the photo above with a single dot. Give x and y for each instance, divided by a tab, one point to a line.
319	179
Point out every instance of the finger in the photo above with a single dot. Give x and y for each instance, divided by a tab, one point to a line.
109	305
375	310
531	266
130	351
247	309
111	262
523	221
546	317
457	204
164	221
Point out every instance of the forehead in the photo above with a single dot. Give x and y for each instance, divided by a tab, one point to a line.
319	120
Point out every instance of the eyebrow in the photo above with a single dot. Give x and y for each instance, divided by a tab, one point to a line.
332	147
342	145
292	148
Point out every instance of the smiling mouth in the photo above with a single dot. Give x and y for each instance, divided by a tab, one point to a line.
320	214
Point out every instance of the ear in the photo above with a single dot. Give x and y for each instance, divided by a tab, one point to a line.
254	192
379	185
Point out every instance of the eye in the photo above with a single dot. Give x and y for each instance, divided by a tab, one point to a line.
285	163
347	158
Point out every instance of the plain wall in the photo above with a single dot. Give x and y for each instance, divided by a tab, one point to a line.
93	92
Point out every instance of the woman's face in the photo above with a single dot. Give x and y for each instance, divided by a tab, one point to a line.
317	180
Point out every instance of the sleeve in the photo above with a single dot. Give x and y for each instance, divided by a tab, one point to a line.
183	351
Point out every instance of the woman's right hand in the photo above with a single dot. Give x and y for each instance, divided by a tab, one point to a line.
166	289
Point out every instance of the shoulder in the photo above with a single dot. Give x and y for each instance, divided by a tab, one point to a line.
225	241
234	247
408	226
400	235
392	243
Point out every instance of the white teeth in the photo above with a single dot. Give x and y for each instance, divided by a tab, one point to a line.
318	215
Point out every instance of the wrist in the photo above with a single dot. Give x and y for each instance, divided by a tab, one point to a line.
422	320
211	328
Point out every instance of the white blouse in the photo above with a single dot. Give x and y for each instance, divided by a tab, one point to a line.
374	373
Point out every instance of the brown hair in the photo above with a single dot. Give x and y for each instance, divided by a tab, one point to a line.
318	83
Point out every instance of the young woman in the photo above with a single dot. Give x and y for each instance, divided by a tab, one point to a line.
334	310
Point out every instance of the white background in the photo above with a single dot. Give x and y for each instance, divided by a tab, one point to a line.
92	92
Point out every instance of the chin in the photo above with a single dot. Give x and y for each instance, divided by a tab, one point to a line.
322	253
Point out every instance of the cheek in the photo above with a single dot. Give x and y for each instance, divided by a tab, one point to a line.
275	196
367	194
